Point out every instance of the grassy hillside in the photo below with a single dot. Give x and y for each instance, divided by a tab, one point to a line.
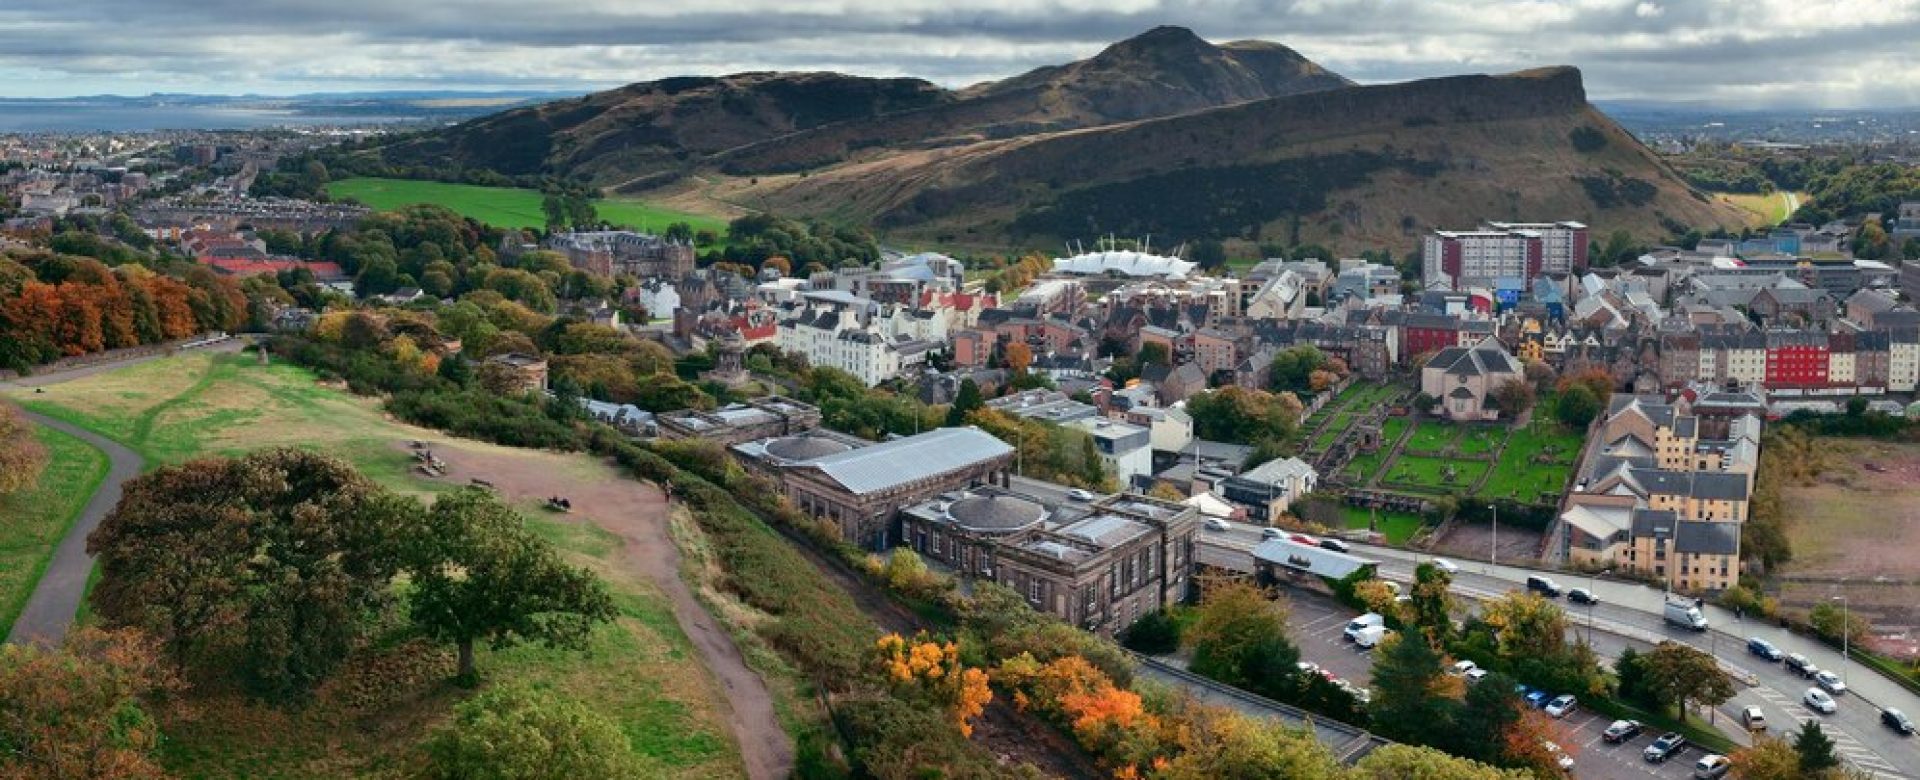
36	519
1367	167
642	670
511	207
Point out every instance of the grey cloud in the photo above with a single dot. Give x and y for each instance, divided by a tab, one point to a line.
1691	49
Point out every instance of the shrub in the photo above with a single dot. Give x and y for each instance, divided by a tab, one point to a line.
1155	633
1586	139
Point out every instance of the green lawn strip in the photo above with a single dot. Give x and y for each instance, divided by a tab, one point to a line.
37	518
1431	472
1391	430
1364	466
1398	527
1430	437
1480	440
509	207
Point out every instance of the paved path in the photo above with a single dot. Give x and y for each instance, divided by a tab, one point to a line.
56	598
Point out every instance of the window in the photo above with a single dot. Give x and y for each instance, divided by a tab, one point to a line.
1033	590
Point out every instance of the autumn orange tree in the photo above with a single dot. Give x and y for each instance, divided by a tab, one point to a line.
22	457
81	711
934	669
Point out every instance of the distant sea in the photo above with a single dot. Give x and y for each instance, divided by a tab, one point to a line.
59	117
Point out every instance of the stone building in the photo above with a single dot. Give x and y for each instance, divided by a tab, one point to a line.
514	373
861	485
1099	565
758	418
624	252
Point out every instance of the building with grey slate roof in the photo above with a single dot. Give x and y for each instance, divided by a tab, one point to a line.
860	485
1098	564
1463	379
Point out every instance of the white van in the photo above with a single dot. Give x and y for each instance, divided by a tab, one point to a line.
1370	636
1362	623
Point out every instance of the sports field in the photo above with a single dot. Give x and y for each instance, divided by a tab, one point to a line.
509	207
643	671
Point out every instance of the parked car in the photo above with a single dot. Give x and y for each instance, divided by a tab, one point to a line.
1543	586
1763	648
1753	719
1667	746
1079	495
1359	694
1830	681
1621	730
1370	637
1447	566
1476	675
1799	664
1582	596
1537	699
1461	668
1561	705
1362	623
1819	701
1335	545
1896	720
1711	766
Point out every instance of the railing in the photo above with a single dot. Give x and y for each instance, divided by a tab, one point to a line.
1349	742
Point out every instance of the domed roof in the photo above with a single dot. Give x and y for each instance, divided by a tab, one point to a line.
805	447
995	513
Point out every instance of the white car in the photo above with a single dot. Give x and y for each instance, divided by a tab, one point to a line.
1218	524
1079	495
1561	705
1463	668
1560	757
1819	700
1830	681
1476	675
1445	565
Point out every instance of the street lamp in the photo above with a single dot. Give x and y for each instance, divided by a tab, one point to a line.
1846	628
1592	580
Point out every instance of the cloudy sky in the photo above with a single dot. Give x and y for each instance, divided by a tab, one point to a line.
1780	52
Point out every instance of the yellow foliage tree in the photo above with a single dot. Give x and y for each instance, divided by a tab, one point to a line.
934	668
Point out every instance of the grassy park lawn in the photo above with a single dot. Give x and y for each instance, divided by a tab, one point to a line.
642	670
507	207
1767	209
1397	526
1364	466
1431	436
1430	473
1521	475
38	517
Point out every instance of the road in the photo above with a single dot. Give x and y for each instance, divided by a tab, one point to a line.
1630	615
56	598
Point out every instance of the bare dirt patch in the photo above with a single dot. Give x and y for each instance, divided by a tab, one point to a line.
637	513
1473	541
1855	531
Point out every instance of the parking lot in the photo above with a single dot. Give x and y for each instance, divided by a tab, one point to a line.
1315	623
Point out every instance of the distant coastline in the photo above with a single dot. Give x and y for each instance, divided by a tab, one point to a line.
27	116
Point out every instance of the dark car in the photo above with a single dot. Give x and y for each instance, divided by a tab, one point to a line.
1335	545
1798	664
1543	586
1897	721
1621	731
1536	699
1764	649
1582	596
1667	746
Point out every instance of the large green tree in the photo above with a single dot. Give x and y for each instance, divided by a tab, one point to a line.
1239	637
517	733
1677	674
81	711
479	574
1407	684
270	564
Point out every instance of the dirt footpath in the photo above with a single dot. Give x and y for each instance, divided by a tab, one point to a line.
637	513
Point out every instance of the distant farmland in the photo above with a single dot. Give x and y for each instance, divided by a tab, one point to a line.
508	207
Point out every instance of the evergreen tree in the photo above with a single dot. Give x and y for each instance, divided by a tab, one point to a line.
963	404
1405	707
1815	748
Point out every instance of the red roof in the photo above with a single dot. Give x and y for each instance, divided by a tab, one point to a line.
236	266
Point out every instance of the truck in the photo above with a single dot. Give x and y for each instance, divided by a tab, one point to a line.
1685	613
